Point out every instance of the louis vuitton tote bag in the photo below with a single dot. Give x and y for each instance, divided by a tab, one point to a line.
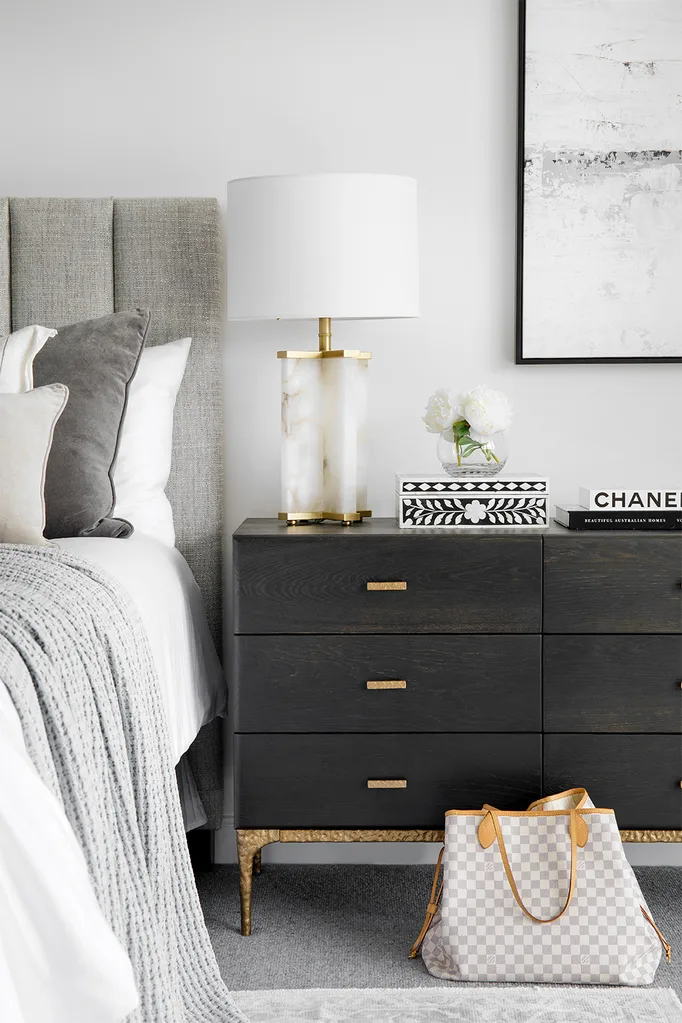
541	896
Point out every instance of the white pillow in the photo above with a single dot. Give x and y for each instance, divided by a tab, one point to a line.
26	427
143	461
17	352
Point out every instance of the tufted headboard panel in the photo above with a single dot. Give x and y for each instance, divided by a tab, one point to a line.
65	260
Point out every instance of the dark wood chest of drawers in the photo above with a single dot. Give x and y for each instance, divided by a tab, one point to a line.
384	677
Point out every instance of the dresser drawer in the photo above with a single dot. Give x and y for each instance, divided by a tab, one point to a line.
312	584
636	775
613	684
335	684
613	583
320	781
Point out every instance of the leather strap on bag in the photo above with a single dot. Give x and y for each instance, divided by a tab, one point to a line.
578	795
573	831
666	945
436	893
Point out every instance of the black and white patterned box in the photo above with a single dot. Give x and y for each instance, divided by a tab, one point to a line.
472	502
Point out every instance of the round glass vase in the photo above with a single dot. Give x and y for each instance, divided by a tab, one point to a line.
486	461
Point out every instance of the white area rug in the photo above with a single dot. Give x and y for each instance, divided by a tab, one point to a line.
490	1004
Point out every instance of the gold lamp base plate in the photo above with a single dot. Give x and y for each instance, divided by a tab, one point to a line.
335	353
306	518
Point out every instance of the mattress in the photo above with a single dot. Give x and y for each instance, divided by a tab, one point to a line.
167	599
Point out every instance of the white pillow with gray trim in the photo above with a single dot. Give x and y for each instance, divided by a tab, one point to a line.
17	352
27	424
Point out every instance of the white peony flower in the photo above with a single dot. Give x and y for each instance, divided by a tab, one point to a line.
487	412
441	411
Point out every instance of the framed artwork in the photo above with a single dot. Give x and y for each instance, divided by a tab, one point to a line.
599	262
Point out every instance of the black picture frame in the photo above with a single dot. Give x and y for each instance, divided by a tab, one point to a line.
521	359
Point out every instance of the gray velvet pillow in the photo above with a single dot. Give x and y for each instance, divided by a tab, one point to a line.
96	360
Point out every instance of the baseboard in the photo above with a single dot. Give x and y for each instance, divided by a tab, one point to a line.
225	844
225	851
654	854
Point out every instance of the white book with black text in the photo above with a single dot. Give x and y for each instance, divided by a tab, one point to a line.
614	499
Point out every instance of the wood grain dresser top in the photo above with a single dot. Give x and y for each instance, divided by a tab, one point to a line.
252	528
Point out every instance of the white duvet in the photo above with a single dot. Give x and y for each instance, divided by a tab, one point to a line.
59	960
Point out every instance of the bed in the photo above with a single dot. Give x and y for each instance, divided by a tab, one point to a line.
61	261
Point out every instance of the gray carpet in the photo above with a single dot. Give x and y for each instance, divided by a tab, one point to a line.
352	926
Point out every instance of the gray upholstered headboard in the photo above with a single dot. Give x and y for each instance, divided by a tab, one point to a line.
66	260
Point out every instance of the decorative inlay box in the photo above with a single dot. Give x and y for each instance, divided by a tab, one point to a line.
499	502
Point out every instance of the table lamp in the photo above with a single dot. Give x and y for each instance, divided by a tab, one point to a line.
323	247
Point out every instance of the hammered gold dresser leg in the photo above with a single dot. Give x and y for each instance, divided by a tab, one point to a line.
249	845
257	862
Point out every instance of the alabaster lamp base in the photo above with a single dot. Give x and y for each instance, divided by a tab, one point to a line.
324	428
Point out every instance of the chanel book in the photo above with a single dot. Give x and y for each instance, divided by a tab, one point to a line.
631	500
573	517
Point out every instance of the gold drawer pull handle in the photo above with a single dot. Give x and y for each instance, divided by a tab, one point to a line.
386	586
390	783
398	683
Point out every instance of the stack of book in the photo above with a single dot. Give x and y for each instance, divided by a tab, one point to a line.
623	509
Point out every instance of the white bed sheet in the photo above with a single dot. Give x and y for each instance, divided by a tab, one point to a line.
167	599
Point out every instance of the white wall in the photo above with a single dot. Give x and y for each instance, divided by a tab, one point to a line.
174	98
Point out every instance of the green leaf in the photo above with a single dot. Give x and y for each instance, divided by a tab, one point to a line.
469	448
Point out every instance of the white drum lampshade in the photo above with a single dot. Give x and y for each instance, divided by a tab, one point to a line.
323	246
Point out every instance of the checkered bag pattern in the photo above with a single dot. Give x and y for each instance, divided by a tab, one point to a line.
480	933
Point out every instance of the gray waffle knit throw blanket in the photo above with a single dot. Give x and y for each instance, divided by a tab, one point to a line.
75	659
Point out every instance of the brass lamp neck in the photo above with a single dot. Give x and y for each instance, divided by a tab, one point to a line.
325	334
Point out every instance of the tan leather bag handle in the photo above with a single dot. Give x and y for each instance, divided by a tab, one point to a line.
573	831
431	908
546	802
